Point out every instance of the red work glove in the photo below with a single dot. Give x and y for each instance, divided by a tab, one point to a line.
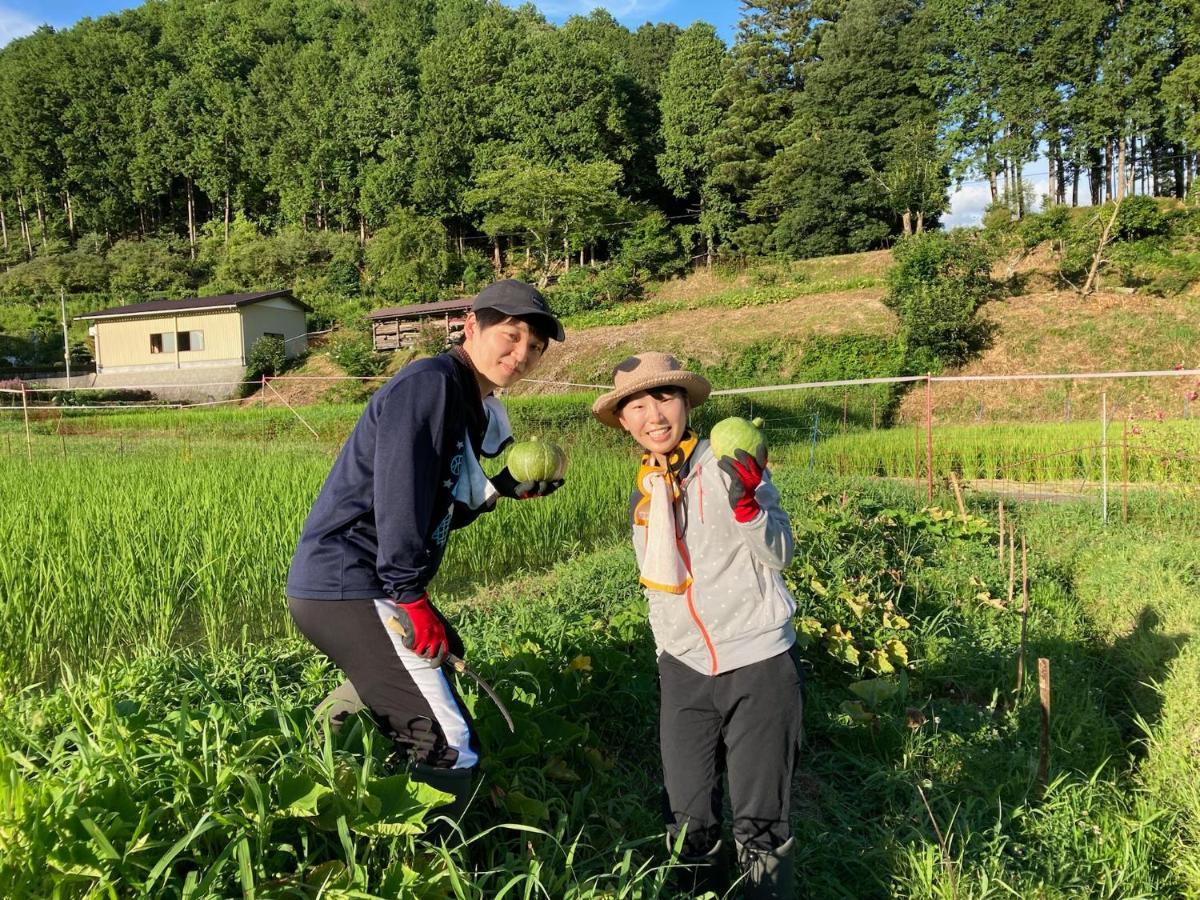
745	475
424	633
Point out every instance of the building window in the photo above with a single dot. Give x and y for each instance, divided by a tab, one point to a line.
191	341
163	342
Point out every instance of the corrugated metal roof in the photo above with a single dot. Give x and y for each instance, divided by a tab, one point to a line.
190	304
422	309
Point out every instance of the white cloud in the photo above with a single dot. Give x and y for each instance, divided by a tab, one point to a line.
967	204
15	24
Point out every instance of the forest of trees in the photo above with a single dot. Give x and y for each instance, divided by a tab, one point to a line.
482	132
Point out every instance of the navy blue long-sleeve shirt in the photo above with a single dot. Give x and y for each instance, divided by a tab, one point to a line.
381	521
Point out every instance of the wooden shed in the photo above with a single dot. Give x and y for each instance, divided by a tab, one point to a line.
196	333
399	327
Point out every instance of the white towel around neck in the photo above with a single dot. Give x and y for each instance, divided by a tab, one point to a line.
473	489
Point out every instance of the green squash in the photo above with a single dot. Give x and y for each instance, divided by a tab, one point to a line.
535	460
736	433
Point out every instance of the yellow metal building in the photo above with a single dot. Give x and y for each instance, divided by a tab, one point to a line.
199	332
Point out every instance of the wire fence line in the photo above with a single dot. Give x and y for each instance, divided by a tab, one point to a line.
813	429
796	386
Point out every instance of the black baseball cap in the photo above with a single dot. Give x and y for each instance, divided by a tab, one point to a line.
517	298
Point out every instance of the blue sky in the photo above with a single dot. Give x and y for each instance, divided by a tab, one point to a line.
18	17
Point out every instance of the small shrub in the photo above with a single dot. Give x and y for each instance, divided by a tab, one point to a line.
267	357
1050	225
355	355
595	287
936	286
1139	217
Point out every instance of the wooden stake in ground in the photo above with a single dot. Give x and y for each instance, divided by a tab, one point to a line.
1044	744
1012	564
958	497
1024	618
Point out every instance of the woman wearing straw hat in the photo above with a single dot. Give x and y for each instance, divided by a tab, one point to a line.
712	540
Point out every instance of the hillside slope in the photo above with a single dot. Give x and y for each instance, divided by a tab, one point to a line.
1043	331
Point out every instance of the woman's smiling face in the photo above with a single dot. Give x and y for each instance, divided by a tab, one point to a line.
657	418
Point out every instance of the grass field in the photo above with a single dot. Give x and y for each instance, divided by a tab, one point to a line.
155	735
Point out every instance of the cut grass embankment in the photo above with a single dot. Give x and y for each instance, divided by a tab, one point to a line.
1058	331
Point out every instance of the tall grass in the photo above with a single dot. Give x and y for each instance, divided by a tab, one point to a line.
111	550
1157	453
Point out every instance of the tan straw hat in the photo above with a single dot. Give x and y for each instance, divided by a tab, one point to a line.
642	373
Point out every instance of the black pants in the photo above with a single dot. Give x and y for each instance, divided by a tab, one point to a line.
747	722
415	704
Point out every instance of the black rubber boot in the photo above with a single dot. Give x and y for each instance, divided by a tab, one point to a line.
339	704
458	782
767	874
701	875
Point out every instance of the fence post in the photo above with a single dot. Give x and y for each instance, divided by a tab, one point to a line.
25	413
1044	737
929	436
1104	457
1024	619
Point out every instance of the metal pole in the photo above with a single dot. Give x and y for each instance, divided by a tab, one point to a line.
62	302
929	437
1104	457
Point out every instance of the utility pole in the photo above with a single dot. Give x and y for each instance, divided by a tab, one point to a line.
62	301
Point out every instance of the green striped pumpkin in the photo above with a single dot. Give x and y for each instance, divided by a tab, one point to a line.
535	460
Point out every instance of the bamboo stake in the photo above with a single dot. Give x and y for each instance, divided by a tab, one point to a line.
1012	565
1024	618
958	497
1044	742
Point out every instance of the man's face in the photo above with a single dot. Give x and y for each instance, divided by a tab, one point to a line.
503	353
656	418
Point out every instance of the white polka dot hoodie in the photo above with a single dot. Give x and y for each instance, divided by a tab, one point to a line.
737	610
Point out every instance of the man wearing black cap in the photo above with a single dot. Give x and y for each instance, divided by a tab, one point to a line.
407	476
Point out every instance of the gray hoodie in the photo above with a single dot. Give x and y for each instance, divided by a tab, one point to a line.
738	610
